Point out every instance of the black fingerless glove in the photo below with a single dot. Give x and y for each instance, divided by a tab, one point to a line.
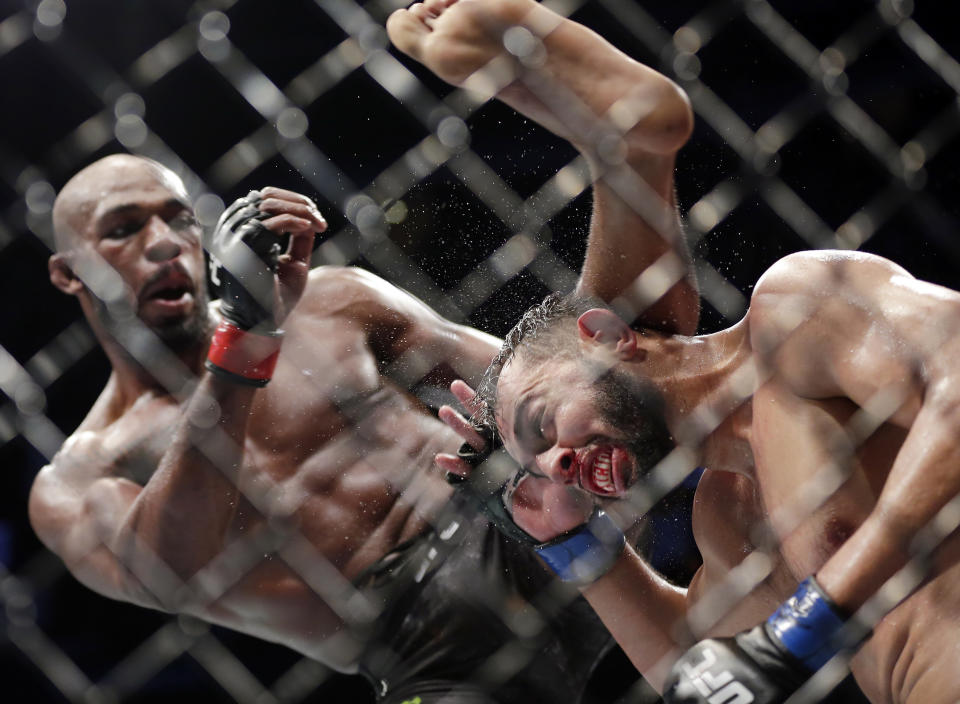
493	471
766	664
243	264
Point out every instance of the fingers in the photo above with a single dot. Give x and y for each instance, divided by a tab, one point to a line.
464	394
295	217
301	247
567	506
462	427
451	464
407	30
295	214
272	192
279	202
301	235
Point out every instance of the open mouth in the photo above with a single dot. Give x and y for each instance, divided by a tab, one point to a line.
604	470
170	293
169	298
602	473
169	288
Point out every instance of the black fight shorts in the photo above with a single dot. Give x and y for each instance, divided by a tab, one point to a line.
470	617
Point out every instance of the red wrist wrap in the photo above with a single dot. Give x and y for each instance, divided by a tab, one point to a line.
242	356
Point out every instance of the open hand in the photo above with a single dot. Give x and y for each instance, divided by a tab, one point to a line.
539	506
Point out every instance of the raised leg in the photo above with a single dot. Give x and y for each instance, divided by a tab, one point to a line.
626	119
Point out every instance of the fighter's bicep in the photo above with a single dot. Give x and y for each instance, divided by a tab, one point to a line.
401	324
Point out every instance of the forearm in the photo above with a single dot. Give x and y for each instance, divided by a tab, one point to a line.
924	478
637	256
182	514
644	613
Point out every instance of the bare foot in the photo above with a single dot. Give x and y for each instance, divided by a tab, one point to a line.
534	60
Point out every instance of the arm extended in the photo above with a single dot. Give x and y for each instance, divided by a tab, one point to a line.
889	343
858	328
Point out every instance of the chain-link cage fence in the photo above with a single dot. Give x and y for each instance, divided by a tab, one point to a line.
818	125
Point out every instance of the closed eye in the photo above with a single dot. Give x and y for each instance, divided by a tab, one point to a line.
535	436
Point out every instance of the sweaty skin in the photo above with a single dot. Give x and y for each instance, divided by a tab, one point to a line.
842	378
334	458
344	452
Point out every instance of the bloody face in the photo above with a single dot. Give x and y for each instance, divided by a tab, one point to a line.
569	420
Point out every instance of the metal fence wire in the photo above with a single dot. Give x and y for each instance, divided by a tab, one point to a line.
818	125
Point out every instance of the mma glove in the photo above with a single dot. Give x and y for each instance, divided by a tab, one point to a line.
243	265
766	664
580	556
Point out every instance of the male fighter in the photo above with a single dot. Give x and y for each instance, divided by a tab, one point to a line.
266	467
826	421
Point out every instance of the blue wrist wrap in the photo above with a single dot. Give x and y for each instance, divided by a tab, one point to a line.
587	553
808	625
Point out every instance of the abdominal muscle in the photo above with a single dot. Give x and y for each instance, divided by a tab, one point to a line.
343	491
368	486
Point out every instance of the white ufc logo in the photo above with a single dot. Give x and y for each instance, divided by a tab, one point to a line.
717	688
214	269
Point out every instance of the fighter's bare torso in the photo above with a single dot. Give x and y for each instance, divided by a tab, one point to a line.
336	452
800	433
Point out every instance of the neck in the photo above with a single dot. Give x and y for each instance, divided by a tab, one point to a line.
142	362
705	379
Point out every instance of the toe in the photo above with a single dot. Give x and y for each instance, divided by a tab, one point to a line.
435	7
407	29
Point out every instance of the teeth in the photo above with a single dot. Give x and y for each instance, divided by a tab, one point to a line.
602	472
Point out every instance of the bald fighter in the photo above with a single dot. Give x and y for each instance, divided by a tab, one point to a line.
263	464
826	423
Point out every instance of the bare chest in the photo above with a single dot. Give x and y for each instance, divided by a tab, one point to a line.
819	467
813	476
743	574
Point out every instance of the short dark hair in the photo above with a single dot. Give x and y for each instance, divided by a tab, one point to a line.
544	333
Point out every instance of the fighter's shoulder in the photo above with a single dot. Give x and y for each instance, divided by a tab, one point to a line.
347	284
826	289
824	272
60	484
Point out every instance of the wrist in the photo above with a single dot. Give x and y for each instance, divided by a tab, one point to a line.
808	625
585	554
241	356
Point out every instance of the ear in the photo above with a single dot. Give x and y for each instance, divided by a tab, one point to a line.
62	276
604	327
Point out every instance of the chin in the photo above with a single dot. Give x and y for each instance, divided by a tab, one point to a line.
183	333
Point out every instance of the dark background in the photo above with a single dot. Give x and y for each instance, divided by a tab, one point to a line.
63	68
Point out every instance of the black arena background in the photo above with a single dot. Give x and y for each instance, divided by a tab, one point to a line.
819	124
